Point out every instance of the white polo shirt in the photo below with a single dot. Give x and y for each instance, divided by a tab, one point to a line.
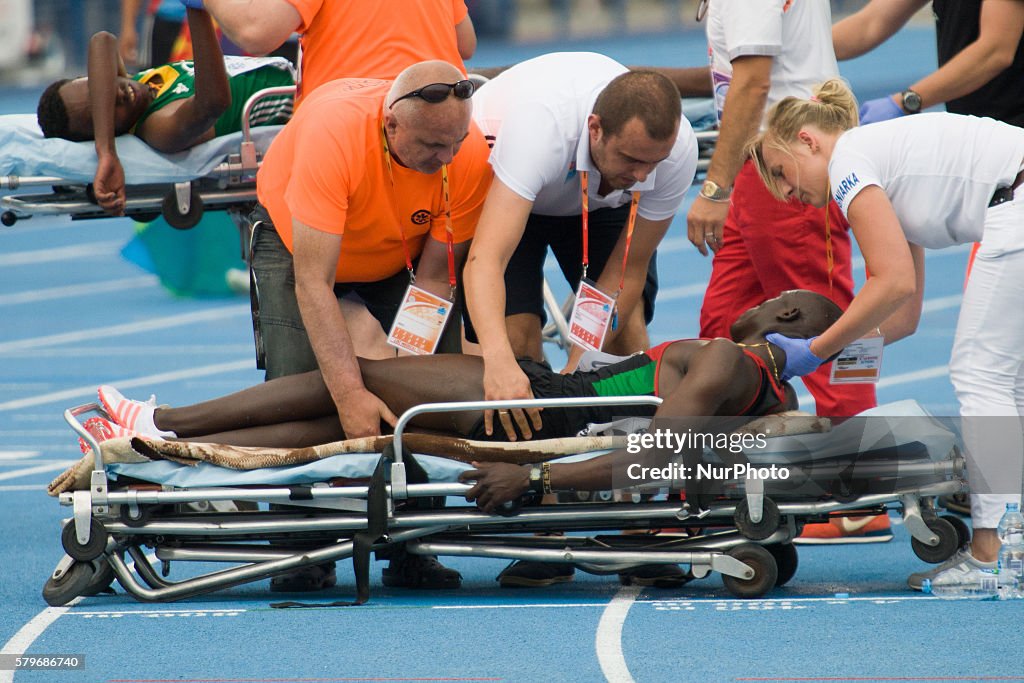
796	33
536	114
938	170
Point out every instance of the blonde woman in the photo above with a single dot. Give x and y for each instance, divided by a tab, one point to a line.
926	181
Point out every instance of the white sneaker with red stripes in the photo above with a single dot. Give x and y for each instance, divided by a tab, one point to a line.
135	416
102	430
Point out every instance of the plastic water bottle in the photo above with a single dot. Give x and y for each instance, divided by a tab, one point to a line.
985	588
1011	554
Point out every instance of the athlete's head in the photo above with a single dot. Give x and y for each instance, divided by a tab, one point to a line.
790	155
427	115
797	313
633	127
64	110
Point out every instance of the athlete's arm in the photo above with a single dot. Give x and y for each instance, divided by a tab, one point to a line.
256	26
174	129
692	81
104	67
465	37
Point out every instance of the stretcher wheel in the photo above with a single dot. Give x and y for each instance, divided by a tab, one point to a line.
8	218
177	219
141	517
65	587
786	561
766	572
963	532
102	577
949	541
91	550
757	531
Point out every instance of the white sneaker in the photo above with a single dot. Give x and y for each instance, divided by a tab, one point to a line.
962	568
136	416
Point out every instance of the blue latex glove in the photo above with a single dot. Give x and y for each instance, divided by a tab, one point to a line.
882	109
194	4
799	359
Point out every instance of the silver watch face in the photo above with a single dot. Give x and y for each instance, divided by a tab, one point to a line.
911	101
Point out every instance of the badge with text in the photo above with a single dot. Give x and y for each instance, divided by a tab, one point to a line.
859	363
420	321
591	314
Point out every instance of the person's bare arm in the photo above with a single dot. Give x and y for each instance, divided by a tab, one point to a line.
104	67
315	256
128	42
498	233
741	116
179	128
871	26
256	26
713	374
904	321
894	277
692	81
646	238
1000	31
465	37
432	269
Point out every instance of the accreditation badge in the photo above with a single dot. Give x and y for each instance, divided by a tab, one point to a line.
859	363
591	314
420	321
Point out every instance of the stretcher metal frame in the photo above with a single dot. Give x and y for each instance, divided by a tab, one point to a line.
110	525
232	183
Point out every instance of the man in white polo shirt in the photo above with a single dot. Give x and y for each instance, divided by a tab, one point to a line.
575	136
557	122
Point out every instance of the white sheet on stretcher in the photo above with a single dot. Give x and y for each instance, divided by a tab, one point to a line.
896	429
25	152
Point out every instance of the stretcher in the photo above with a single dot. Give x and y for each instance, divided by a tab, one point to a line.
351	505
215	175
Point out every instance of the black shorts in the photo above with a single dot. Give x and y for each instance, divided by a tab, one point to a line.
561	422
524	274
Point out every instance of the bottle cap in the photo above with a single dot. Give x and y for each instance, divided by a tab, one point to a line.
926	586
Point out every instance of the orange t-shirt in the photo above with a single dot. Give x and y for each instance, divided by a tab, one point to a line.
326	169
374	38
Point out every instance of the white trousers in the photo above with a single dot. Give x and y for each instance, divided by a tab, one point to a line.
987	366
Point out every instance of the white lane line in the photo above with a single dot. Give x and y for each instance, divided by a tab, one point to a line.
18	455
524	606
24	487
28	633
608	639
50	467
89	392
74	253
150	325
88	289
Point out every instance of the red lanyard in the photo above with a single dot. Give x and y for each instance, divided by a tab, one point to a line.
829	256
630	224
449	232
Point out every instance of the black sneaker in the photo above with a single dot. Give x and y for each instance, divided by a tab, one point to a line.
305	579
657	575
524	574
419	571
960	503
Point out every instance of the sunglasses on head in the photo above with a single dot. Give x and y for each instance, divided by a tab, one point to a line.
438	92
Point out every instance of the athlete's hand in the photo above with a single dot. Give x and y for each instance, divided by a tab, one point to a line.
800	360
496	483
705	224
503	382
882	109
361	413
108	184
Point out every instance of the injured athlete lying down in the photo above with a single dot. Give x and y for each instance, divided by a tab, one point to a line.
699	378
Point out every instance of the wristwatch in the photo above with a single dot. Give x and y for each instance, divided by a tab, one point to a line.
536	479
712	191
911	101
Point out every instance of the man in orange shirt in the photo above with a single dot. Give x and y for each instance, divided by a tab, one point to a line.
354	194
367	38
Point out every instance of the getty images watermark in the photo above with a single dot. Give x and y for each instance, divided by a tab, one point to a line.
661	444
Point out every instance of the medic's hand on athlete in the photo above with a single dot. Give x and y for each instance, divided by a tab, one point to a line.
361	413
496	483
705	224
882	109
800	360
503	382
